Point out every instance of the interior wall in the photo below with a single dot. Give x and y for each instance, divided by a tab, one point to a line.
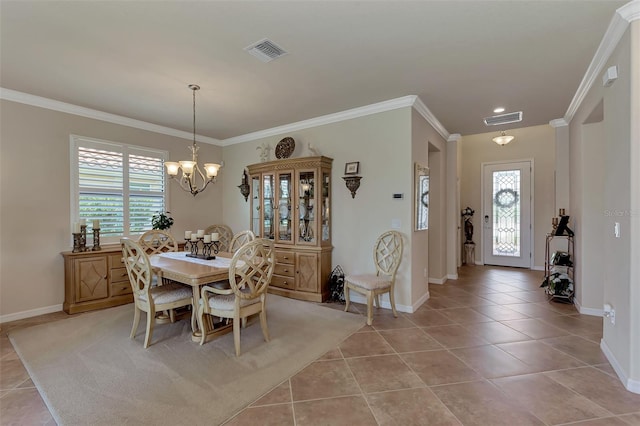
35	223
614	257
453	208
382	144
589	276
428	248
537	143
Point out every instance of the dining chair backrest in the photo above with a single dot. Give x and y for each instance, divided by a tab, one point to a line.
138	267
225	235
157	241
240	239
251	268
387	253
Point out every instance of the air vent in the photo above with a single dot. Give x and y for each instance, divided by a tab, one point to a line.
265	50
512	117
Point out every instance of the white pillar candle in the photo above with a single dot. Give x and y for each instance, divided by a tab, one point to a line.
83	222
200	233
96	224
194	237
76	227
187	235
207	238
215	237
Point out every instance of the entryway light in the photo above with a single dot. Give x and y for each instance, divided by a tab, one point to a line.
498	110
503	139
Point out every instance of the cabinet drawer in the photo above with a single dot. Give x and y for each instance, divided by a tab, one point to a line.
115	260
285	257
283	282
121	288
118	275
283	269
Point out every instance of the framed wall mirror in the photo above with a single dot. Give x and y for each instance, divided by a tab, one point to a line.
421	184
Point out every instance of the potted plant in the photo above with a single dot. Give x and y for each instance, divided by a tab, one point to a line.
559	284
162	221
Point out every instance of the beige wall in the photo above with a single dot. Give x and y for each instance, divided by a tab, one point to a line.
382	144
537	143
620	341
35	224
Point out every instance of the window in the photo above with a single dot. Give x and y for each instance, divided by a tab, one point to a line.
121	185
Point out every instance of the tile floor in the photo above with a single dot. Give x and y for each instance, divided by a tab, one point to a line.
486	349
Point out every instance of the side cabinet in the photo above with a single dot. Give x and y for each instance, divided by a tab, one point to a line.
95	280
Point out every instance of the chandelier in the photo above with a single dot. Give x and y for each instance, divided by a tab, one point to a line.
192	179
503	139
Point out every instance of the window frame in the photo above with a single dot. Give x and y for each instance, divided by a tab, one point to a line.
76	141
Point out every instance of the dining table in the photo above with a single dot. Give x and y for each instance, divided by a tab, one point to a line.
195	272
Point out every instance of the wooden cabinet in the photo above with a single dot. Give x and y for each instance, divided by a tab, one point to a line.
290	204
95	280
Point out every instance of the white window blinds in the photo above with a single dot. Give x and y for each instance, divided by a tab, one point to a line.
121	185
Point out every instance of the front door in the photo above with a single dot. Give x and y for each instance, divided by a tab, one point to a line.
506	215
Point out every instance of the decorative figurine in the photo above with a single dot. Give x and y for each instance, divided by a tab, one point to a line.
467	214
264	151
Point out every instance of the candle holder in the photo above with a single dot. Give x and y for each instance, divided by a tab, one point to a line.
77	242
554	223
200	250
83	232
96	239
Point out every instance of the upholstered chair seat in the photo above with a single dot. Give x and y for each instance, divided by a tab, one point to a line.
369	281
168	293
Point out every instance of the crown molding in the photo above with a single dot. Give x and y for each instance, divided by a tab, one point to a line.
38	101
618	25
431	119
454	137
558	122
405	101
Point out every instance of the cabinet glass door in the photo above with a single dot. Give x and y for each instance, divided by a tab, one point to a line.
268	194
255	206
285	223
306	207
326	224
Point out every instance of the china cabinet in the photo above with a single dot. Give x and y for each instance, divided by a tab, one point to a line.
291	205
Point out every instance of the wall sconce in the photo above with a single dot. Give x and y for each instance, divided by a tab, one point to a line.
353	183
244	186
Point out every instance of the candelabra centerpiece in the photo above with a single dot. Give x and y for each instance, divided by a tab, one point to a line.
201	246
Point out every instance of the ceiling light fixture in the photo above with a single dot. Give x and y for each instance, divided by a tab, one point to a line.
189	180
503	139
498	110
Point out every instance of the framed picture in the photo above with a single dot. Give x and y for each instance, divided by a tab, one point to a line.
352	168
421	184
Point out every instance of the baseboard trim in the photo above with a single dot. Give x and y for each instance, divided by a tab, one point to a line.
587	311
452	276
30	313
537	268
630	384
438	280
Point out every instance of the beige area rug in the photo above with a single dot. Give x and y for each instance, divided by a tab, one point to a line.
88	371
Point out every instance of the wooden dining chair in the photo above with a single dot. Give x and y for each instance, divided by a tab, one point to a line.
387	254
157	241
240	239
250	273
225	234
148	298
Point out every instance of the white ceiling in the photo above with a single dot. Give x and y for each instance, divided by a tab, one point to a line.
462	58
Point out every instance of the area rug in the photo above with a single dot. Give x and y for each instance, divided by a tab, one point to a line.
89	372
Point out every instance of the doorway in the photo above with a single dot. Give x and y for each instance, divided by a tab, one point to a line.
506	213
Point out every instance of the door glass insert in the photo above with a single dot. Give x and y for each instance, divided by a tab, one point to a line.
267	215
326	231
255	205
506	213
285	224
306	207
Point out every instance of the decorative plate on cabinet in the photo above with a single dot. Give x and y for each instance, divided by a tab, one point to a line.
285	148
